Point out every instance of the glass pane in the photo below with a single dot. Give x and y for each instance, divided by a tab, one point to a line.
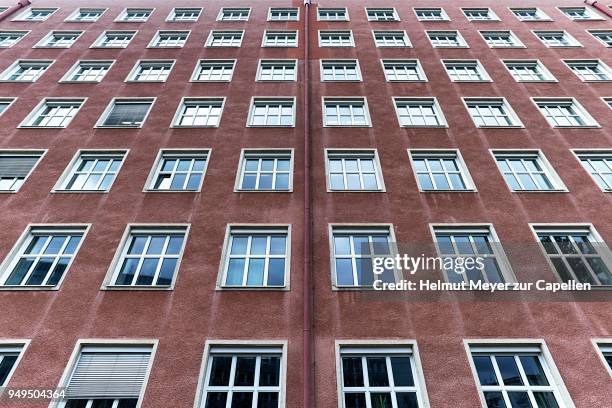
147	271
463	244
220	371
245	371
235	272
344	272
267	400
601	270
174	246
276	272
19	272
494	400
58	271
519	399
166	272
40	271
258	245
533	370
407	400
509	370
402	372
377	371
269	373
242	400
239	245
342	245
580	270
484	368
256	272
352	372
216	400
55	245
381	400
354	400
545	400
282	181
137	245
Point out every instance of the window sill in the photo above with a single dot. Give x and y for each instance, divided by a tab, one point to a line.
79	82
195	127
58	191
448	191
138	288
29	288
251	288
134	81
501	127
148	190
40	127
356	191
578	127
468	81
117	127
541	191
262	191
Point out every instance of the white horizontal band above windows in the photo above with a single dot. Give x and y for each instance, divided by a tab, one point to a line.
505	348
229	349
370	350
605	347
9	348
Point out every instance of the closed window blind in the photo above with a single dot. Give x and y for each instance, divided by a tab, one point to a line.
127	114
17	166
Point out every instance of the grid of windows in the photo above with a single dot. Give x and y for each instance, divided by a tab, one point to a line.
391	38
280	39
501	39
86	15
151	71
15	167
564	112
530	14
465	71
332	14
576	254
493	112
590	70
277	70
59	39
184	14
528	70
123	112
527	171
234	14
345	112
218	38
88	71
43	257
179	170
114	39
25	70
92	171
214	70
53	113
336	38
340	70
169	39
8	358
415	112
599	166
603	36
272	112
10	38
440	171
265	171
382	14
403	70
557	39
199	112
135	15
353	170
283	14
446	39
431	14
480	14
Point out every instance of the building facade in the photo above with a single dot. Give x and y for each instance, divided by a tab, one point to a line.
193	195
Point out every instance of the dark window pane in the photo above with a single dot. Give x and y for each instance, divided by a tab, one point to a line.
174	246
533	370
128	403
276	272
102	403
381	400
484	368
519	400
220	371
127	271
58	271
354	400
494	400
269	371
5	367
245	372
407	400
166	272
267	400
147	271
216	400
19	272
508	370
352	372
402	372
377	371
545	400
242	400
76	403
40	271
580	270
564	274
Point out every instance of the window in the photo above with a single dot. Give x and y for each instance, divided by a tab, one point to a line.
580	13
16	166
9	355
169	39
466	71
590	70
126	112
480	14
608	101
516	375
214	71
184	15
219	38
116	374
380	375
114	39
283	14
26	70
256	257
491	112
419	112
53	113
576	253
179	170
564	112
474	241
91	171
528	71
277	70
88	71
340	70
86	15
42	256
131	15
501	39
382	14
440	170
272	112
353	249
151	71
332	14
604	348
336	38
391	38
244	375
431	14
599	165
557	39
265	170
10	38
527	170
280	39
199	112
603	36
403	70
234	14
353	170
36	14
530	14
148	256
345	112
446	39
5	103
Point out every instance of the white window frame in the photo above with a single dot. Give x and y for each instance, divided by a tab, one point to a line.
572	42
72	18
7	73
121	18
263	153
605	69
271	99
354	153
9	102
172	15
407	62
375	33
134	71
538	12
24	15
193	100
516	42
22	345
61	184
549	171
514	345
331	32
110	344
590	122
490	13
595	33
442	153
111	104
461	43
443	15
237	347
284	62
20	246
603	347
165	153
393	11
383	347
23	152
108	64
606	99
22	33
223	10
592	14
548	76
335	10
44	42
265	38
39	108
158	35
354	62
466	62
214	33
285	9
341	99
211	62
500	101
582	154
100	40
432	101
